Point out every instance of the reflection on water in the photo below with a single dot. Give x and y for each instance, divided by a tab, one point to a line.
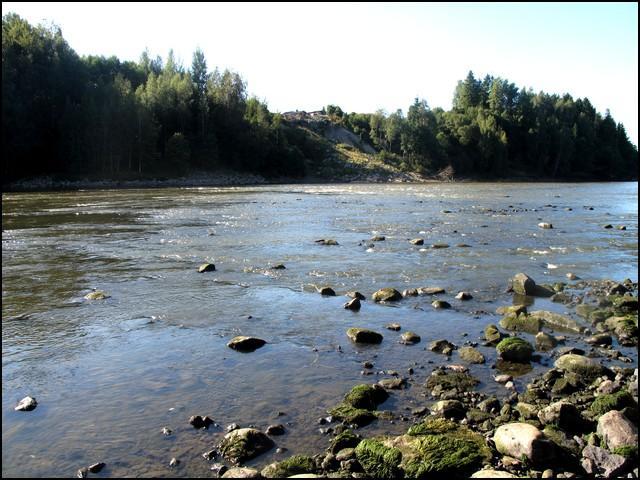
108	375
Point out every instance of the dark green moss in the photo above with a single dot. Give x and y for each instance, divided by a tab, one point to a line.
515	349
432	426
461	382
521	323
346	439
377	460
291	466
613	401
350	414
628	451
366	396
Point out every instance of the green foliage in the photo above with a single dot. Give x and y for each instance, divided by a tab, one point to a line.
66	115
629	451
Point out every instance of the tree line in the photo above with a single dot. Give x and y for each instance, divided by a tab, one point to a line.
67	115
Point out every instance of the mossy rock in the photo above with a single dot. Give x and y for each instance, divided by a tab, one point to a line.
478	416
363	335
244	444
623	326
291	466
386	295
515	349
457	451
613	401
458	381
625	304
515	309
584	310
352	415
627	451
345	439
366	396
492	335
433	426
557	436
600	315
243	343
557	321
521	323
378	460
585	367
471	355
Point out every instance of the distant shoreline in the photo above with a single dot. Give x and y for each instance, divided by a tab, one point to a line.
239	179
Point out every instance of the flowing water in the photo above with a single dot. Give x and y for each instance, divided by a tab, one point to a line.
110	374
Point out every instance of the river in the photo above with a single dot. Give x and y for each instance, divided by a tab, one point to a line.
108	375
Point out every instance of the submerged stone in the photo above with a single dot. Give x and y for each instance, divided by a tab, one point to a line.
471	355
581	365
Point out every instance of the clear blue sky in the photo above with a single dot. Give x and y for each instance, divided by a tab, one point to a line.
369	56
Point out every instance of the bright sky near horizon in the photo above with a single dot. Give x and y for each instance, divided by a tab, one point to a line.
368	56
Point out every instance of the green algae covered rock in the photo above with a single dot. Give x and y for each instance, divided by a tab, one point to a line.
555	320
345	439
291	466
378	460
613	401
443	447
515	349
583	366
459	382
521	323
492	335
366	396
244	444
352	415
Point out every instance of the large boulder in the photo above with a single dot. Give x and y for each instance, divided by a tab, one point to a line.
514	349
525	285
386	295
244	444
520	440
617	430
597	461
245	344
583	366
363	335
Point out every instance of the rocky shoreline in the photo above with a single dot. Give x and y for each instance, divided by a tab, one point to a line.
577	418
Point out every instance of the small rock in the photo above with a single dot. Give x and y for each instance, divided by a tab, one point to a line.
174	462
387	295
596	460
503	378
378	238
440	245
206	267
218	469
210	454
392	383
464	296
616	430
608	226
241	472
392	326
275	430
545	225
166	431
353	304
199	422
243	343
326	291
522	439
326	241
82	473
409	338
363	335
417	241
355	294
440	304
96	467
232	426
26	404
572	276
97	295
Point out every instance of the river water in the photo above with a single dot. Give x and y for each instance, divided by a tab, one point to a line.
110	374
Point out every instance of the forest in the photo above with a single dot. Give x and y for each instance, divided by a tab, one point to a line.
68	116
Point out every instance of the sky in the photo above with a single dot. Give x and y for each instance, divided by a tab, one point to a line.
363	57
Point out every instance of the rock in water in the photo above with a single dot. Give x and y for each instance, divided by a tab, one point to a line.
515	349
244	444
97	295
206	267
417	241
327	291
353	304
464	296
545	225
409	338
245	344
362	335
386	295
26	404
